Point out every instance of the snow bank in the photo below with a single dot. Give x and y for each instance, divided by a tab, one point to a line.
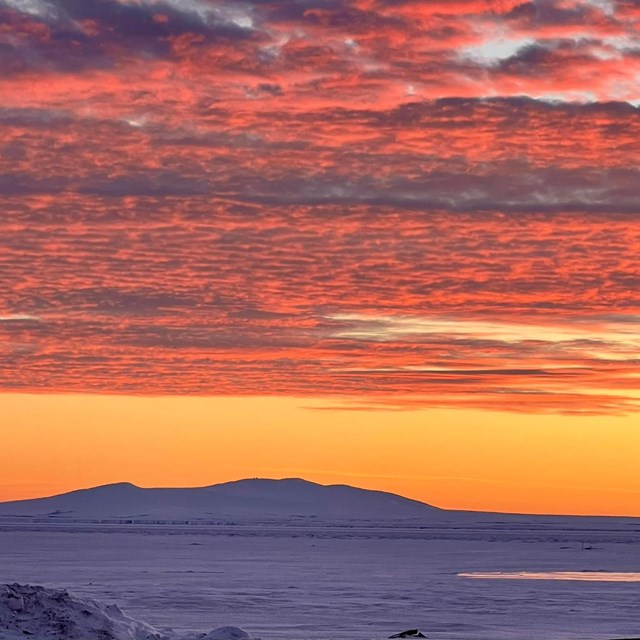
46	613
228	633
49	614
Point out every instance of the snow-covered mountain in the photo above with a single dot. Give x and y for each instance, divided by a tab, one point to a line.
255	499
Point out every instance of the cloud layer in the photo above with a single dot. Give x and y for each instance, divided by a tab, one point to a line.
387	202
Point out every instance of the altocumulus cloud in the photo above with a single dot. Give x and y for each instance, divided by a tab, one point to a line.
402	203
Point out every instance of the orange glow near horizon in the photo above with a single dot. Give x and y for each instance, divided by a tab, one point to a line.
456	459
386	243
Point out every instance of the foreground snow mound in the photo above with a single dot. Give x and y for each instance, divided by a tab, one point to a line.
50	614
227	633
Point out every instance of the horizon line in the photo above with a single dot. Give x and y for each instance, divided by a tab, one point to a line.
313	482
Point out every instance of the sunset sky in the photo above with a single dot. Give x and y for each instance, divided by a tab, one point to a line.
390	243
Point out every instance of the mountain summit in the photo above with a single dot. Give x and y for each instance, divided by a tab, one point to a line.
252	499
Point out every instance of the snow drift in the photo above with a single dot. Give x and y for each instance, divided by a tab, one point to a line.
49	614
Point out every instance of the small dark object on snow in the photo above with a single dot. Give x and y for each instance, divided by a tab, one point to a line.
411	633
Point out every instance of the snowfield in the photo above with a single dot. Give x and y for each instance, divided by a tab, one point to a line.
312	582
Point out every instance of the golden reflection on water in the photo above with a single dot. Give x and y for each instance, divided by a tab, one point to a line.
581	576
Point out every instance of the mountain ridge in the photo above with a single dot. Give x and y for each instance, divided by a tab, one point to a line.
260	498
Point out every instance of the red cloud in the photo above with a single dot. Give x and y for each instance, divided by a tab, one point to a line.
265	199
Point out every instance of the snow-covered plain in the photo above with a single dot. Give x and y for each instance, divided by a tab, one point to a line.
342	582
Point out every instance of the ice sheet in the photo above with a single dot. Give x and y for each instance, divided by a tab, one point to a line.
339	582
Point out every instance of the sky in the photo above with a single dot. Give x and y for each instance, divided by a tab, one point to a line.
391	243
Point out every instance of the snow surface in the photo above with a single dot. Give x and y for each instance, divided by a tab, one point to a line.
344	582
48	614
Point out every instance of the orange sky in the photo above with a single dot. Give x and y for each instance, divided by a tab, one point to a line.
392	243
468	459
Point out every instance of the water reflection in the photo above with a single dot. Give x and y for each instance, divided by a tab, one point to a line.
581	576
